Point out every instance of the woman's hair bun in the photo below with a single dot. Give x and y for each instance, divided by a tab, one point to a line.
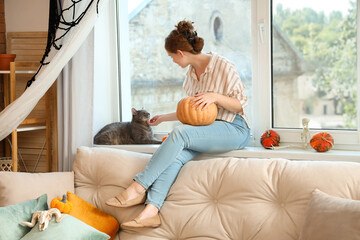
184	38
184	27
198	44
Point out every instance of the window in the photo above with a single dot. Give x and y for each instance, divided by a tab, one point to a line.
296	59
276	107
314	65
217	24
156	82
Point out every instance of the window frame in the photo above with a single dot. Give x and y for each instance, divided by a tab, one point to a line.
261	79
123	59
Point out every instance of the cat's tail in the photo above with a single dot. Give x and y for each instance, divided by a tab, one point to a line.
102	138
97	139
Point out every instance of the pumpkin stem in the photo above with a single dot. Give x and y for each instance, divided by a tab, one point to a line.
332	145
64	198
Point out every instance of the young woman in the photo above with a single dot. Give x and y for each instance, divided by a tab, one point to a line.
210	79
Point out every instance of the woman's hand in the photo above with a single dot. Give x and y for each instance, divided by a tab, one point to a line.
156	120
203	100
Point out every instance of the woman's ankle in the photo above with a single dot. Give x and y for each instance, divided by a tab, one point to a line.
138	187
149	211
135	189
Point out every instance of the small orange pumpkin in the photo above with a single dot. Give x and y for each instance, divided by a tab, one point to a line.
192	116
322	142
270	139
62	204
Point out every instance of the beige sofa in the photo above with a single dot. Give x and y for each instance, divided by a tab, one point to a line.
231	198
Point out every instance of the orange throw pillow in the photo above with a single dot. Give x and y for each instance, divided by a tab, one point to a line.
92	215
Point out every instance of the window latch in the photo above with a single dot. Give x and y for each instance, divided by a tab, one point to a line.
262	32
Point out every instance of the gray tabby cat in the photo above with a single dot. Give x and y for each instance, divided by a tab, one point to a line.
135	132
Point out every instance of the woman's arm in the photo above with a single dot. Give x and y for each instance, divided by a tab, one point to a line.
203	100
156	120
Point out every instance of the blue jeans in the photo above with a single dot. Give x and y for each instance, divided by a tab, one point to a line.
183	144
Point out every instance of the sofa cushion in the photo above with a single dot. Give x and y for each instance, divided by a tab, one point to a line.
69	228
218	198
331	218
101	173
17	187
12	216
92	215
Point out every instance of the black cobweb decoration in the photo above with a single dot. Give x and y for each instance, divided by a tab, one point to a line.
58	21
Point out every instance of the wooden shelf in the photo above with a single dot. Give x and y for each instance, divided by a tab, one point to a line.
30	47
17	72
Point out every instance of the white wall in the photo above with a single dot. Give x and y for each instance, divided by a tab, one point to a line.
26	15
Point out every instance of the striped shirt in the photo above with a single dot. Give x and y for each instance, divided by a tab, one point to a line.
220	76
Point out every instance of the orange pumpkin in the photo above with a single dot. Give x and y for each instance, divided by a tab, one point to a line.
322	142
270	139
62	204
192	116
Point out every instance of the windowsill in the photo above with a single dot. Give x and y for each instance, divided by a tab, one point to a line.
259	152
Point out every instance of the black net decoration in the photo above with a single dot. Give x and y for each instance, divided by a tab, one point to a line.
58	21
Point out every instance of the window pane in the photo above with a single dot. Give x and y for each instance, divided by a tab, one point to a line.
156	82
314	63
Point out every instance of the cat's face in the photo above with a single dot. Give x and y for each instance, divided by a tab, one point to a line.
140	115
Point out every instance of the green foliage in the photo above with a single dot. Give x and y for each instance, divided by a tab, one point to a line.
328	43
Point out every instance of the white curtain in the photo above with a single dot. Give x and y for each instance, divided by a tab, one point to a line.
75	101
17	111
87	89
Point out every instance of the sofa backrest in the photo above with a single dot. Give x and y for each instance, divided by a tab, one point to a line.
220	198
18	187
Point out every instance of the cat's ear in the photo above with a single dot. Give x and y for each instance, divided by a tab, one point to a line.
133	110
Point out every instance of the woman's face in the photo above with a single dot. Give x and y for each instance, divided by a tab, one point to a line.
179	58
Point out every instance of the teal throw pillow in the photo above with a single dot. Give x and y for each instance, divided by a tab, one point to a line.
12	216
69	228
